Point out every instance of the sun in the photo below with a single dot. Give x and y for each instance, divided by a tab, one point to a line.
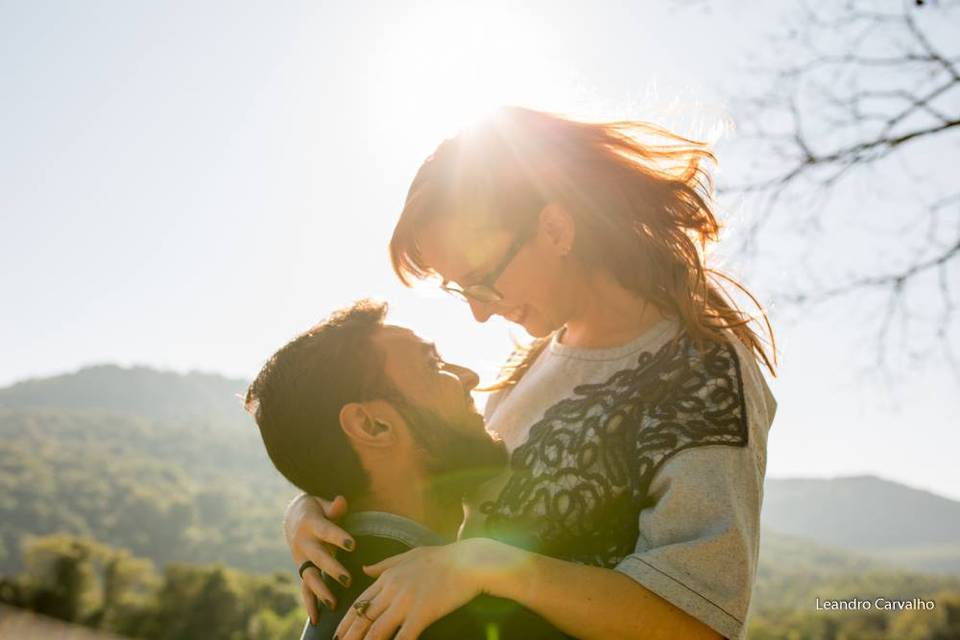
446	65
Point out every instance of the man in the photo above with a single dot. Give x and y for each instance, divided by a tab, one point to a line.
370	411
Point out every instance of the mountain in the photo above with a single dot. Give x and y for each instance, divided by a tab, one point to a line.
870	515
140	391
170	466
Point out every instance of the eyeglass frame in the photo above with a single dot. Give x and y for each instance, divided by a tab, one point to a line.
485	291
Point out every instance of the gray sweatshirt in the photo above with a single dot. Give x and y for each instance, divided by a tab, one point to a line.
647	458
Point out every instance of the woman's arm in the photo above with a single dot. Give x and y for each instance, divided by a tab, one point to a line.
416	588
311	535
589	602
697	550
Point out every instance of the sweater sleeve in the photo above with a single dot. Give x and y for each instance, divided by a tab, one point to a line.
698	543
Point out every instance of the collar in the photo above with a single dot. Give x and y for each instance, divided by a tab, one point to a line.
390	525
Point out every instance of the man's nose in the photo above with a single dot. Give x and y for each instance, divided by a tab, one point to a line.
481	310
468	377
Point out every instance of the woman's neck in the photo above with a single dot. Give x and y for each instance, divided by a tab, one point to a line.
608	315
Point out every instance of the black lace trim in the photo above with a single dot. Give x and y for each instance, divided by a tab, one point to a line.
579	483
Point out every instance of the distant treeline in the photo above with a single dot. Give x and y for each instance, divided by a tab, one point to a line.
81	581
196	492
84	582
941	623
794	573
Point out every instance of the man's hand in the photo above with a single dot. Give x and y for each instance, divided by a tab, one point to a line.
312	535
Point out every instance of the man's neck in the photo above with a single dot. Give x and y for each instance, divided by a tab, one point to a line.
410	500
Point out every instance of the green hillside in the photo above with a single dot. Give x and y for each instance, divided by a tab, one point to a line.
186	492
168	468
793	572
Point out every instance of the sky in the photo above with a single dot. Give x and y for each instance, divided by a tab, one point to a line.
188	185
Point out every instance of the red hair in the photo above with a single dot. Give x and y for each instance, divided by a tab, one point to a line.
641	200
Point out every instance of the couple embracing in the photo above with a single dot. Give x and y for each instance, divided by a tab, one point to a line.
613	487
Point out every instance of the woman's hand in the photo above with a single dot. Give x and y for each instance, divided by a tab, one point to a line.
311	535
415	589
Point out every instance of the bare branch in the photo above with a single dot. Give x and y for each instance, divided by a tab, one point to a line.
897	280
860	87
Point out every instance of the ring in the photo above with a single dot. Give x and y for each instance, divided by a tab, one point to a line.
361	607
306	565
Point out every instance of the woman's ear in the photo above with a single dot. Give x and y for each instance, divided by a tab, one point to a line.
558	228
364	429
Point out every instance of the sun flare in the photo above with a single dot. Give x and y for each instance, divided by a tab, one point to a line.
445	66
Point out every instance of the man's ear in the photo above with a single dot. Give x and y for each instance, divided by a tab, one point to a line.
558	228
364	429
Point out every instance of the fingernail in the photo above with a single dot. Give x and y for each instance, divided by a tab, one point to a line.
345	580
348	544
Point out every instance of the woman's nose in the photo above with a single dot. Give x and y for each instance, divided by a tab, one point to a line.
481	310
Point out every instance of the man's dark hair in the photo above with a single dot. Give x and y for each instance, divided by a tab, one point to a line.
297	397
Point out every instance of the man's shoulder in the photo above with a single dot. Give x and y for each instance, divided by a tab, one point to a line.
371	549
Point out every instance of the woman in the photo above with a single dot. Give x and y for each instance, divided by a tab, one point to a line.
637	420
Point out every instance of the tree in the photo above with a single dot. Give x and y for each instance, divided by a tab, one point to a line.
854	133
220	603
62	576
80	580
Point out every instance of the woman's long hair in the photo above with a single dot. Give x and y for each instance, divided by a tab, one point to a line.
640	198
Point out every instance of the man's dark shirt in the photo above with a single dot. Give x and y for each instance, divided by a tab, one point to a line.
380	535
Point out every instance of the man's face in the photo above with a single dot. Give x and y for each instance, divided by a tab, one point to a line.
439	410
426	381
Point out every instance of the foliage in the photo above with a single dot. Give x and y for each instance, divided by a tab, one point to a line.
794	573
942	623
197	496
189	492
82	581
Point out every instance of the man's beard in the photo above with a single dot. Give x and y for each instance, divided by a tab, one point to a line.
457	459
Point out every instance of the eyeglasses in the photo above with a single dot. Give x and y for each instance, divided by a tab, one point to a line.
485	290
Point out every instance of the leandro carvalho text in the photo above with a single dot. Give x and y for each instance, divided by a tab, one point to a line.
882	604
